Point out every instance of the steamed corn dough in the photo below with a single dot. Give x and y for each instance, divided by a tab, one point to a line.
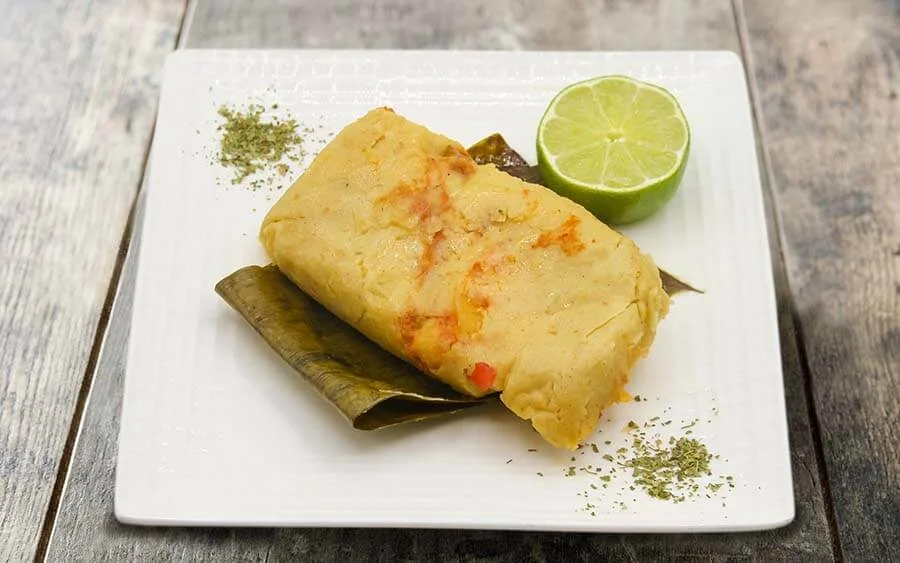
450	265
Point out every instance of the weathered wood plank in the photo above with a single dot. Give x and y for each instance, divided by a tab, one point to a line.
828	78
78	87
648	24
481	24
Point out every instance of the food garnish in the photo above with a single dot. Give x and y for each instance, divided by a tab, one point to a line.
669	466
616	145
253	143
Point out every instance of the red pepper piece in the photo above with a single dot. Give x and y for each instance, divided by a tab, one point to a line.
483	376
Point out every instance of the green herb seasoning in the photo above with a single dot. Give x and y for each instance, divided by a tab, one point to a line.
672	468
251	145
664	472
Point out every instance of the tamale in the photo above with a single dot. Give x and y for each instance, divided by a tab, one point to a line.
370	386
475	277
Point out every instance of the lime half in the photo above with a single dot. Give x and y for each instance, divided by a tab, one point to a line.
616	145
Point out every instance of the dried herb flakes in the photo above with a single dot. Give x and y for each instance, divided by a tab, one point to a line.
253	143
672	468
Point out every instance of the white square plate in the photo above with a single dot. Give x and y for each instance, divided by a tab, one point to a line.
217	430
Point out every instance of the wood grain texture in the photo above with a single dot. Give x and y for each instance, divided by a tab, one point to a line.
479	24
827	73
78	88
507	24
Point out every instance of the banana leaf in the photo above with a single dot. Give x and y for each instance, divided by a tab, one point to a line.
371	387
494	149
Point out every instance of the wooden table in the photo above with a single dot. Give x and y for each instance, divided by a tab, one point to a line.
78	92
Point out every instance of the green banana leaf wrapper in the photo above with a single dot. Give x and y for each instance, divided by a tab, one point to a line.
370	386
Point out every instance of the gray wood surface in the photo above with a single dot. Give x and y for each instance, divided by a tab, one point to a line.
86	528
828	74
78	89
